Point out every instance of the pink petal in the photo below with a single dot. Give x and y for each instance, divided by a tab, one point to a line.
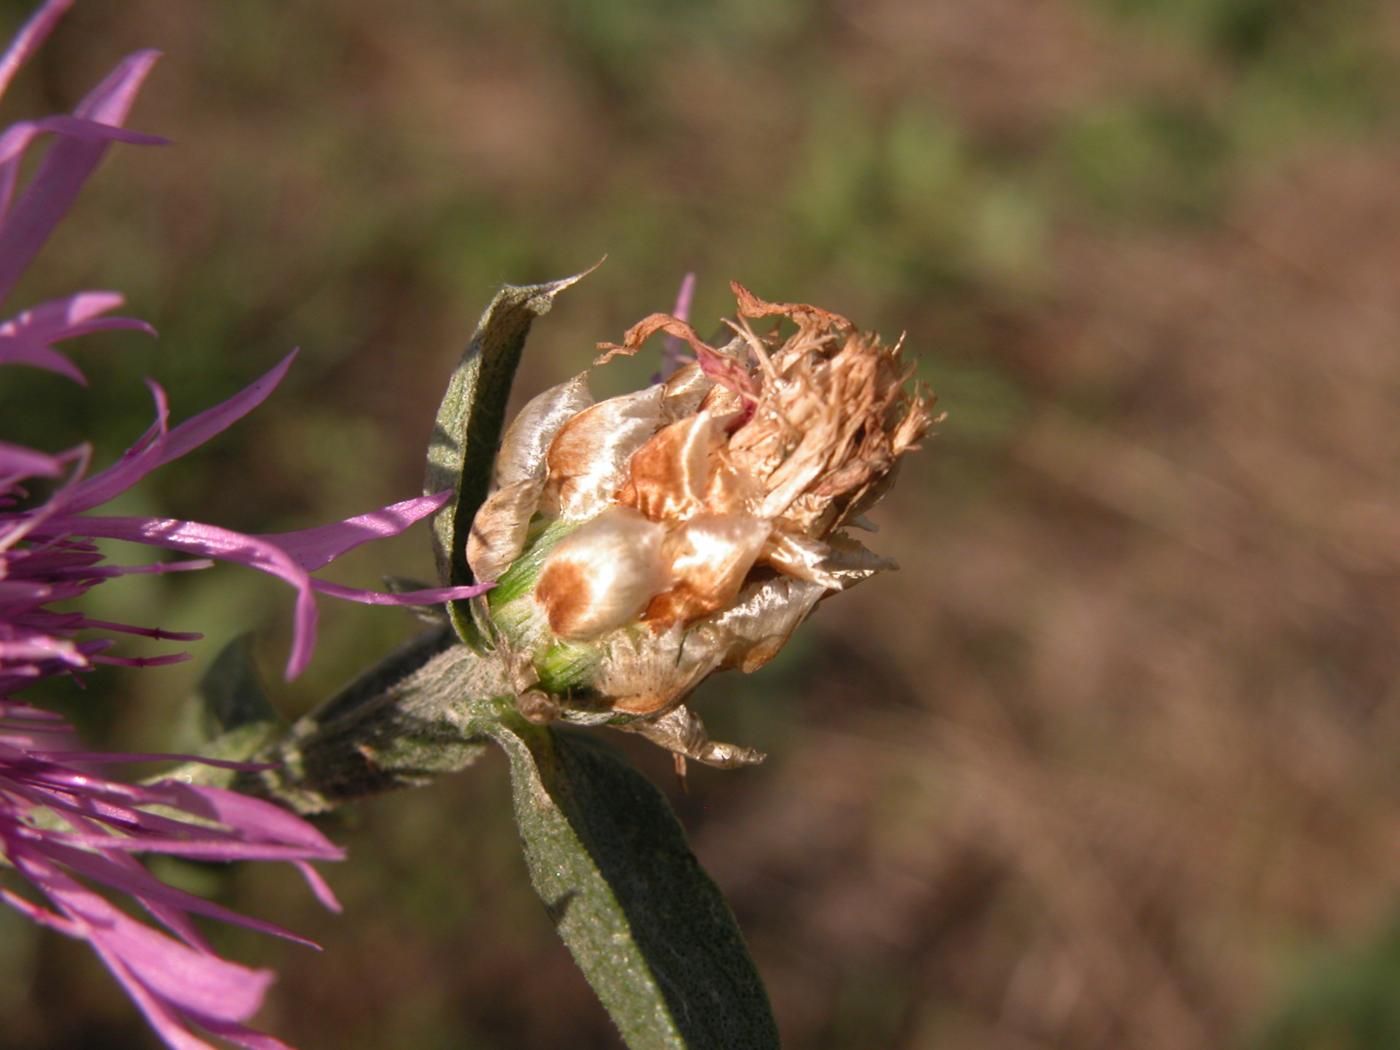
140	884
429	596
187	978
319	887
28	39
27	338
117	757
207	849
65	169
43	648
111	100
211	541
17	138
41	915
315	547
149	632
256	819
18	352
684	298
241	1036
198	429
143	661
673	347
55	313
184	977
164	447
172	918
171	1028
18	462
18	709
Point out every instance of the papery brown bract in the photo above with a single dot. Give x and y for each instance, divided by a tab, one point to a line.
602	574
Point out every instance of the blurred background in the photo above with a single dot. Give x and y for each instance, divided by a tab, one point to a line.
1114	762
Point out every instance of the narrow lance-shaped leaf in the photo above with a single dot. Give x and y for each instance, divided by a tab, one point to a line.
468	428
648	927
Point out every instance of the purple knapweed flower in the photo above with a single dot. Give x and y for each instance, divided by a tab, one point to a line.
673	347
67	829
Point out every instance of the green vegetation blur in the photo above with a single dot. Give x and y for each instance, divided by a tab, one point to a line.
1113	762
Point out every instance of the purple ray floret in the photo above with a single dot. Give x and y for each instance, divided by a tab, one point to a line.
69	831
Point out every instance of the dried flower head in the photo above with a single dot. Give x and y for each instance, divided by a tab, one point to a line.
644	541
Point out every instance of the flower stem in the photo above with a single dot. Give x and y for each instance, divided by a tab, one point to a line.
416	715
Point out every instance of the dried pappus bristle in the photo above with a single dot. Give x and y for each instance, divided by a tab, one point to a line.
709	557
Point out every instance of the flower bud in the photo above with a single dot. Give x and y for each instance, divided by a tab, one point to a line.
645	541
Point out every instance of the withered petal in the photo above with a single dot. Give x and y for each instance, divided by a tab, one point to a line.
712	553
642	672
669	474
755	455
498	531
850	561
801	556
916	422
750	632
732	490
527	439
680	731
587	461
803	465
722	368
835	562
804	314
864	498
684	390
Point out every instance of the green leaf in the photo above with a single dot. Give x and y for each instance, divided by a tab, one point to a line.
469	423
228	716
650	930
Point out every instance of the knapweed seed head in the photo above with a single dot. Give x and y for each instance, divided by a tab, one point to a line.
645	541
